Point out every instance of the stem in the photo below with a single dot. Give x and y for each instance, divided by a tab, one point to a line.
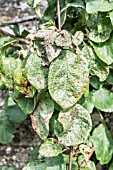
14	36
19	21
59	14
70	158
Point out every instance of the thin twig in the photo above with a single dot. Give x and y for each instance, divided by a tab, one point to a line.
59	14
70	158
14	36
26	19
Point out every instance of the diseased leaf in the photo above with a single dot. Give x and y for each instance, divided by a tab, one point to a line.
41	117
96	66
52	52
101	5
8	67
6	128
78	38
54	163
36	73
21	83
68	78
103	31
63	39
104	50
76	124
103	100
50	148
103	144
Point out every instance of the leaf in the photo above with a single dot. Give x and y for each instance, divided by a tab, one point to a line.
104	50
15	114
76	124
103	100
8	67
6	128
101	5
111	16
89	102
63	39
26	104
21	83
41	117
68	78
110	78
94	81
52	52
103	31
30	2
50	148
96	66
54	163
76	4
103	144
78	38
36	73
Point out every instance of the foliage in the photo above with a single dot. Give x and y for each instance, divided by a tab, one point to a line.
58	79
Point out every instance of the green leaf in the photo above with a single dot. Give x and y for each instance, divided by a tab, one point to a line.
54	163
103	144
76	124
104	50
68	78
50	148
78	38
41	117
30	2
76	4
15	114
110	78
94	81
89	102
4	40
103	100
36	73
26	104
96	66
101	5
103	31
6	128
